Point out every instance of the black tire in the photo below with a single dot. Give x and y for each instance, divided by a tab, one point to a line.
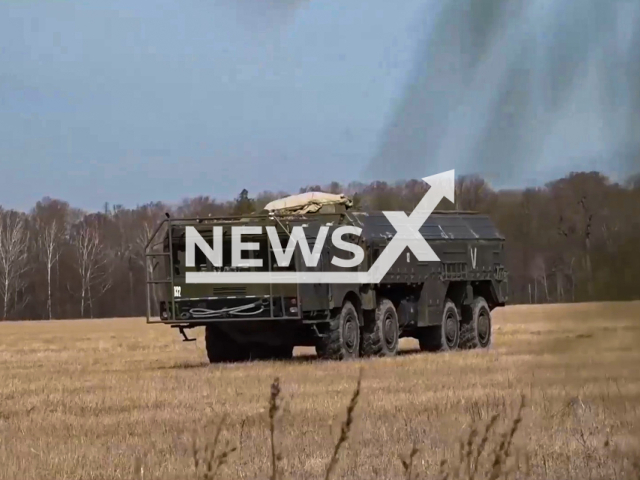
221	348
342	340
381	336
475	331
444	337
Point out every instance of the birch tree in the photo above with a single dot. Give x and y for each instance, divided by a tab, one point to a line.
49	251
13	260
51	230
91	263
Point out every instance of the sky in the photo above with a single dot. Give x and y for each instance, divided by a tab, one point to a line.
521	92
133	102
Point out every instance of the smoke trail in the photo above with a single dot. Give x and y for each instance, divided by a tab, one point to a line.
506	88
262	17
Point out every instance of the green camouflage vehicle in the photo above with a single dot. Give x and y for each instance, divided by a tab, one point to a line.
446	305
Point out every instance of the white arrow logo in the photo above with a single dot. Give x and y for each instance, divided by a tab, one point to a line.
408	235
408	228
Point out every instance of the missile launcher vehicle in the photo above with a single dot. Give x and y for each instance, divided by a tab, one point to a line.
446	304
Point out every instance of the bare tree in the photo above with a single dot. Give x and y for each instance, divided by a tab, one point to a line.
587	244
92	263
539	273
471	192
124	248
49	251
13	260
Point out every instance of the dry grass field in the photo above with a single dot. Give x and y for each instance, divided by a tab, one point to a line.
119	399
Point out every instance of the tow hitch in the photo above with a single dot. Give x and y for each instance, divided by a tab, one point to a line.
181	329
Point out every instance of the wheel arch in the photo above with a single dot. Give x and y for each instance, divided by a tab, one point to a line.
354	298
349	296
457	293
486	289
462	293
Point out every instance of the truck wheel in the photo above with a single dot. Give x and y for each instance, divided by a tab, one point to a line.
222	348
475	331
342	340
380	337
444	337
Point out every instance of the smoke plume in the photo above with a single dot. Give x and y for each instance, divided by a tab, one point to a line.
511	88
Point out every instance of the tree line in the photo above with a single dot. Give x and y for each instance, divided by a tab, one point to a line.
575	239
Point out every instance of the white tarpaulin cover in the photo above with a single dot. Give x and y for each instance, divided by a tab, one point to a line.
309	202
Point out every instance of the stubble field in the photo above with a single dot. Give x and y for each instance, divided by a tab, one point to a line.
111	399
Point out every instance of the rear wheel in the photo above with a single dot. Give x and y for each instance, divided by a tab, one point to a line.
476	325
342	340
444	337
222	348
380	337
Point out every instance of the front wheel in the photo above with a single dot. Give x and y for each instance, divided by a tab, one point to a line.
444	337
342	340
380	337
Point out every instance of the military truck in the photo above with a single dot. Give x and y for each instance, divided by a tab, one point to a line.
445	305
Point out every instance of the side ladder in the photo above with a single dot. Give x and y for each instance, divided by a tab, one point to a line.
151	282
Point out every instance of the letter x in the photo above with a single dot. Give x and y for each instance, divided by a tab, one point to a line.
408	235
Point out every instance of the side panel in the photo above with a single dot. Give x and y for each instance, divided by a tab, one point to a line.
314	296
338	291
431	302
